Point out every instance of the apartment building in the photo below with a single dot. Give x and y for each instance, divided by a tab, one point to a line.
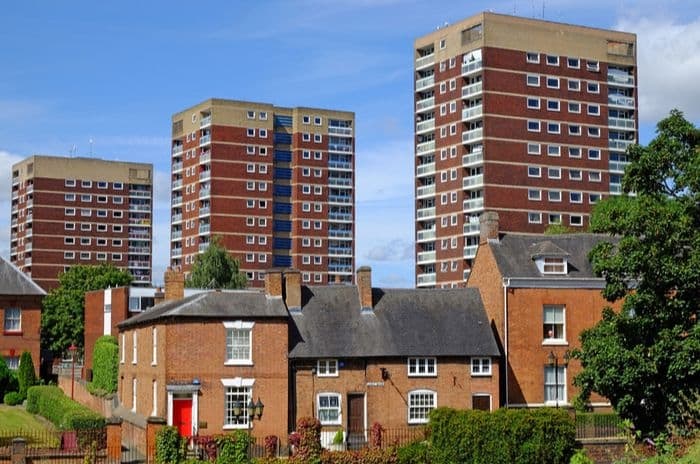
524	117
68	211
276	184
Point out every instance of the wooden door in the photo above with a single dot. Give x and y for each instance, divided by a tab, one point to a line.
481	402
182	416
356	413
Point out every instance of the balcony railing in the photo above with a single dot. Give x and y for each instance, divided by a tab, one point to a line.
423	213
204	228
177	184
473	181
176	252
177	201
425	126
425	190
204	140
425	257
333	216
139	250
473	204
623	123
470	228
426	279
339	269
472	89
205	121
425	147
339	165
342	131
176	218
425	61
472	159
339	199
473	134
204	175
203	247
472	112
618	166
426	235
425	169
177	167
621	79
340	147
204	192
471	67
616	189
425	104
177	149
204	210
340	181
340	234
621	100
205	156
176	235
340	251
425	83
470	251
617	144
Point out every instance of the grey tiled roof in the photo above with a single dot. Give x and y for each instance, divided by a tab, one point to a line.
215	305
404	322
515	253
15	282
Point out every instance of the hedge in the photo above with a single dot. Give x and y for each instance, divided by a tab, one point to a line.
26	376
105	364
507	436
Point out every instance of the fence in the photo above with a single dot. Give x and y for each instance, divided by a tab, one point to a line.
595	425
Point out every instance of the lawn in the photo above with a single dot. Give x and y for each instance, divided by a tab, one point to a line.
16	421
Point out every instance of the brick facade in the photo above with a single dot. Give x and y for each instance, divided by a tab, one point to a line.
14	342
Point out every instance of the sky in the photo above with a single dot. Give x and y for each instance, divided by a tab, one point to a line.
115	72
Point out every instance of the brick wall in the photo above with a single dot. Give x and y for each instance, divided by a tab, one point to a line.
28	338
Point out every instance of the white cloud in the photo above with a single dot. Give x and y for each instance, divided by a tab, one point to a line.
669	66
394	250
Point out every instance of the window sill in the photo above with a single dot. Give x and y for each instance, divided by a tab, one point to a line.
12	333
418	422
422	375
555	342
236	427
327	375
481	375
238	363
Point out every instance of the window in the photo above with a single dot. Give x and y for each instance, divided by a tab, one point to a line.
593	198
552	105
574	85
68	255
69	240
594	176
69	197
553	150
13	320
555	218
239	343
263	115
328	407
575	174
533	126
250	114
86	198
533	80
101	213
573	63
69	183
250	149
574	152
534	194
554	384
327	368
553	315
534	218
422	367
553	128
118	200
116	256
593	87
420	403
101	256
70	211
86	184
69	226
532	57
85	255
554	195
134	348
533	149
574	129
594	110
263	152
533	103
552	60
576	220
534	171
592	65
575	197
238	393
481	366
118	186
262	133
594	131
554	173
250	167
318	138
552	82
250	132
306	119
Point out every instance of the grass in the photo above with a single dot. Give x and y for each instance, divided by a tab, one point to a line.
16	421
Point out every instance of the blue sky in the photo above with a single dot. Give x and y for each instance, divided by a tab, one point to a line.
115	72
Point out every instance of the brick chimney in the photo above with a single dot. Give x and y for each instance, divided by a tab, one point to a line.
174	284
273	282
488	227
364	287
158	296
292	289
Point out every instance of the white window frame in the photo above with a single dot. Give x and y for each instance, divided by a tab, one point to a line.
552	60
422	367
134	347
334	409
234	328
532	57
480	367
420	403
550	398
554	328
241	391
534	218
534	78
12	320
327	368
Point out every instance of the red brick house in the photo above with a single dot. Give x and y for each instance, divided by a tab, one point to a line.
349	355
540	293
20	309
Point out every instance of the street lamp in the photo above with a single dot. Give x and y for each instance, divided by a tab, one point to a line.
72	348
252	410
553	361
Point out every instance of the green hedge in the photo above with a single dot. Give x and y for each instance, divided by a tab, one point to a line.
66	414
12	398
105	365
507	436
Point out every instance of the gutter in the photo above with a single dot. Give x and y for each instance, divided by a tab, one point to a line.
506	284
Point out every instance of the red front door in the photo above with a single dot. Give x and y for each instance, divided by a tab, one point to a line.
182	416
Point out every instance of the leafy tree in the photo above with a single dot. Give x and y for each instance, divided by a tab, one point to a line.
8	381
105	364
216	268
26	375
62	317
646	358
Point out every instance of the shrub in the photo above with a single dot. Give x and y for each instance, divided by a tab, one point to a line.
376	433
12	398
271	442
580	457
26	375
51	403
233	448
417	452
309	430
8	381
169	446
105	365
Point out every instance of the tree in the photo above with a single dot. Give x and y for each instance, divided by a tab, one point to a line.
105	364
646	357
26	375
8	381
62	317
216	268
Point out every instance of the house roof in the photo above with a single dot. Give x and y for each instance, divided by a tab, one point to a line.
15	282
403	322
516	253
215	305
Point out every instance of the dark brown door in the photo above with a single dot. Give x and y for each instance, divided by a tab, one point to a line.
481	402
356	413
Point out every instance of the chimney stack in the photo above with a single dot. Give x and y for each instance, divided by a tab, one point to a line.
364	287
273	282
488	227
158	296
174	284
292	289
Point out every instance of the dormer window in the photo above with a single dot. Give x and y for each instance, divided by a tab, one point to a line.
554	265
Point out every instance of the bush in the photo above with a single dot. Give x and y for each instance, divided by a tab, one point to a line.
8	380
51	403
26	375
233	448
105	365
309	430
523	436
169	446
12	398
417	452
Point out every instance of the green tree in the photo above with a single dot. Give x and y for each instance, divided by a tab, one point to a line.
8	381
105	364
216	268
62	317
26	375
646	357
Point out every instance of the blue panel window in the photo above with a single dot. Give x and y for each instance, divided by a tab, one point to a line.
283	138
281	261
282	121
282	226
282	244
283	208
283	190
283	155
283	173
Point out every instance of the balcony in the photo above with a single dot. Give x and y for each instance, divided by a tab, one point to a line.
427	235
471	67
339	165
205	156
470	251
176	235
28	261
204	175
615	189
29	217
203	247
204	211
425	257
472	112
141	264
205	140
617	144
425	61
177	150
340	182
341	131
175	252
177	166
425	169
473	181
425	191
425	126
473	159
471	228
425	83
425	147
618	166
204	192
474	204
29	189
15	194
472	135
28	232
339	269
621	79
425	213
13	221
425	104
141	208
340	147
335	216
622	123
139	250
28	246
621	101
140	193
176	218
426	279
340	234
205	121
472	89
204	228
176	201
339	199
340	251
177	184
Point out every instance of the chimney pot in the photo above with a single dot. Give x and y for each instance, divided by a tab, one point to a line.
488	227
174	284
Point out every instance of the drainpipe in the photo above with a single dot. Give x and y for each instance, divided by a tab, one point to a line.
506	284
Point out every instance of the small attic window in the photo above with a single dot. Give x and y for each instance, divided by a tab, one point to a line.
554	265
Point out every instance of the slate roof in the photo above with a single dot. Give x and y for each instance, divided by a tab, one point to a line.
15	282
515	253
403	322
215	305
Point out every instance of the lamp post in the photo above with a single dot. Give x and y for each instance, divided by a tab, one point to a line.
553	361
252	410
72	348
